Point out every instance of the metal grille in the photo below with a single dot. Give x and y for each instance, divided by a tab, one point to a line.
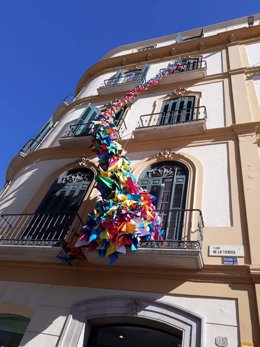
173	117
188	223
39	229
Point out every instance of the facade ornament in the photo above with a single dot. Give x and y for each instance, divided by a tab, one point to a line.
133	307
181	91
73	177
149	56
178	93
164	171
166	154
83	162
201	45
173	51
124	62
232	37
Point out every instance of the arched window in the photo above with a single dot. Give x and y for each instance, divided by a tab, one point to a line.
167	182
12	329
56	212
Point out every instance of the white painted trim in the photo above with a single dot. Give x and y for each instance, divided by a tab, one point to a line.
131	307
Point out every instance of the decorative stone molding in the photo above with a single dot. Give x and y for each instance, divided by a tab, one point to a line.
173	51
209	42
149	56
124	62
134	307
176	93
201	46
179	92
85	162
183	92
166	155
134	310
232	38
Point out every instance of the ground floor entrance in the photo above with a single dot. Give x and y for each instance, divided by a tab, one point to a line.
127	335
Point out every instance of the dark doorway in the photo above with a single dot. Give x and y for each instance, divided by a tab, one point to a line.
125	335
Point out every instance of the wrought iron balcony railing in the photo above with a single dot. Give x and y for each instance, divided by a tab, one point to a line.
84	129
30	146
80	129
34	143
190	65
183	229
173	117
39	229
127	78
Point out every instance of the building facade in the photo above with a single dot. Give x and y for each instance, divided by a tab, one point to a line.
193	143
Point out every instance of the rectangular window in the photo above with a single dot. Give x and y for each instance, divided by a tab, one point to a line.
82	126
128	76
32	144
147	48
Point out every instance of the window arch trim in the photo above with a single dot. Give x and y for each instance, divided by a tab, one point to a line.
167	314
193	165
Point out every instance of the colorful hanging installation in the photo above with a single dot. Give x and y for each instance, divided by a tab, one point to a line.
125	212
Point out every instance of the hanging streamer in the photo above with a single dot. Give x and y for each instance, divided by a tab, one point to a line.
125	213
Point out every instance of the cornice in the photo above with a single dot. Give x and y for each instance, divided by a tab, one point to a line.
248	71
255	273
210	136
36	272
246	128
50	153
236	36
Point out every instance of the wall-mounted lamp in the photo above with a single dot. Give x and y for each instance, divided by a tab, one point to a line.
250	20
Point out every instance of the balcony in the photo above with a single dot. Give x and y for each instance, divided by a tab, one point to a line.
182	122
193	69
40	237
30	146
182	247
76	135
34	143
36	237
121	84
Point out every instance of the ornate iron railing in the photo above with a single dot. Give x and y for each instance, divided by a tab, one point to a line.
185	115
75	130
34	143
84	129
190	65
183	229
30	146
127	78
39	229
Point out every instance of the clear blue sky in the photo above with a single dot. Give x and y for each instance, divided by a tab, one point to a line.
46	45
